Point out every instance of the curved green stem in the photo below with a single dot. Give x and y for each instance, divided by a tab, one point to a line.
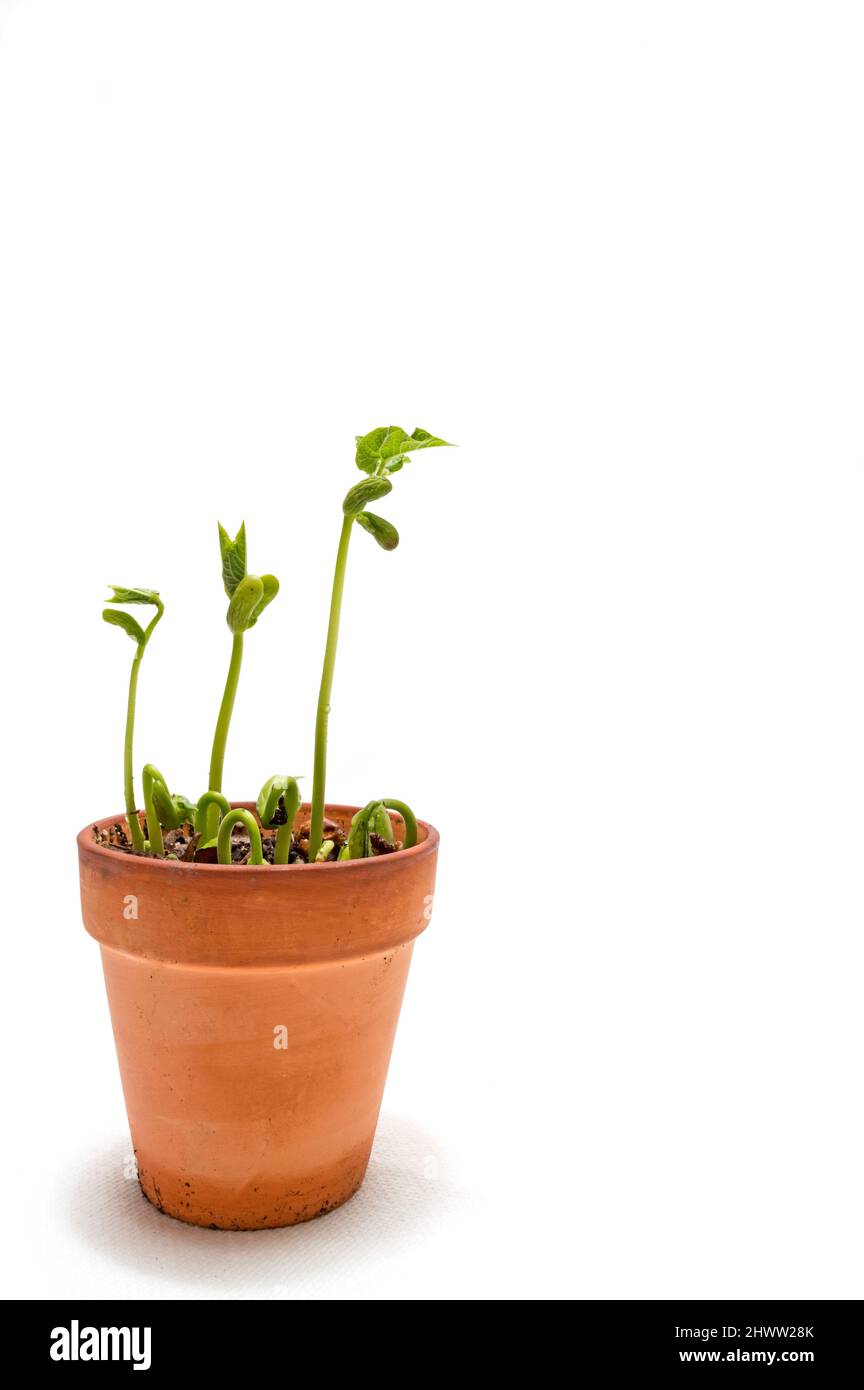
223	843
408	817
220	736
151	777
323	714
205	802
277	806
370	821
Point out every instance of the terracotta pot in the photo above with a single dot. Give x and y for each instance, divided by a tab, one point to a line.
254	1011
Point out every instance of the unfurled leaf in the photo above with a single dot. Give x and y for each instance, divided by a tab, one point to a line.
367	491
122	595
422	439
369	447
384	532
389	445
118	618
396	442
233	558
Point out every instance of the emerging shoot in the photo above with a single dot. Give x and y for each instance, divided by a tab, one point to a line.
163	811
373	821
277	805
239	817
248	596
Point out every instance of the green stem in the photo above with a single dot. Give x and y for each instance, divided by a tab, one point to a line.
205	802
128	766
223	844
220	737
323	715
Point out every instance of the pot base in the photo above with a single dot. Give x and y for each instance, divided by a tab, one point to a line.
260	1208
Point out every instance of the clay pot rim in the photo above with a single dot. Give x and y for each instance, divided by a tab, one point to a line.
427	845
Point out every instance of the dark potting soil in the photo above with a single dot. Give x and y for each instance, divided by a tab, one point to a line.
182	844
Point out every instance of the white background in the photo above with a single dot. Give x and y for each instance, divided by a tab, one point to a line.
615	251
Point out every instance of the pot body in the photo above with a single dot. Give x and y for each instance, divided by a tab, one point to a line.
254	1010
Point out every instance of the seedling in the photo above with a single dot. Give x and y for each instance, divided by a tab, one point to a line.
140	636
248	596
239	817
374	820
277	805
379	454
208	826
163	811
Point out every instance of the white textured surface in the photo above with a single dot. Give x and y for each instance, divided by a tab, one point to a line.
108	1241
614	250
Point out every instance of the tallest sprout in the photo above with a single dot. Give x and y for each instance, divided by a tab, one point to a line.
140	636
379	453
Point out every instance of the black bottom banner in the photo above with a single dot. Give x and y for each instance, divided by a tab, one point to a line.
165	1337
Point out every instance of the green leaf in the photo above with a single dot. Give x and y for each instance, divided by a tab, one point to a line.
122	595
118	618
367	491
422	439
233	558
368	448
385	532
390	444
